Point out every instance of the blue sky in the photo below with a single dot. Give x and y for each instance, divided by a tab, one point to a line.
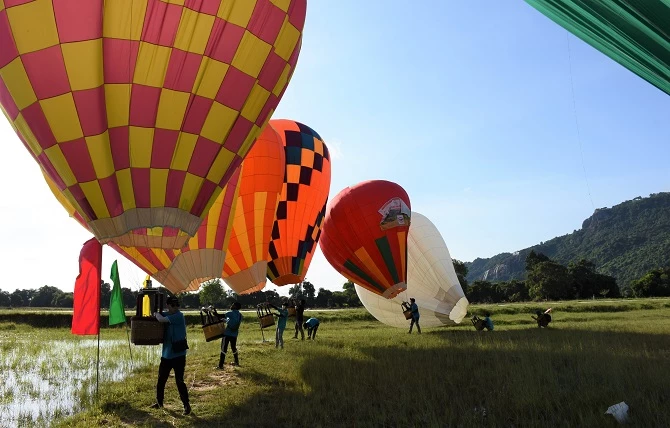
469	108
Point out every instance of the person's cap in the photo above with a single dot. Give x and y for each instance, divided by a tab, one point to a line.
172	301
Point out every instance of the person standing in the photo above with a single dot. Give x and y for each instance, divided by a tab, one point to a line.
282	317
174	354
415	316
233	321
299	319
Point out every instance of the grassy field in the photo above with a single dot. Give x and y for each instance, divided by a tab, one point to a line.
361	373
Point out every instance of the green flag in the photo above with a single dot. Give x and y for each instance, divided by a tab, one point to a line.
117	315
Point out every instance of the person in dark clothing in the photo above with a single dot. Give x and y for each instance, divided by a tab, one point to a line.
415	316
233	321
299	319
543	318
172	359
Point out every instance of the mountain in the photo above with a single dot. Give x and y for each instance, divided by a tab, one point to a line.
625	241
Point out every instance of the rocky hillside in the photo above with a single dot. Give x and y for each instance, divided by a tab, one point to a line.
624	241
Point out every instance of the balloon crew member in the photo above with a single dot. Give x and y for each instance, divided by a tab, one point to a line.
543	318
299	319
312	325
174	354
233	321
415	316
282	317
488	322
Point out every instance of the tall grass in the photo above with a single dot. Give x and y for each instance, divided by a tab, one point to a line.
361	373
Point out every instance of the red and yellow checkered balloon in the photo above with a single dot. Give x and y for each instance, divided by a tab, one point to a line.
140	111
200	260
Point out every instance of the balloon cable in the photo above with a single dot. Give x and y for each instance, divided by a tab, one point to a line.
574	111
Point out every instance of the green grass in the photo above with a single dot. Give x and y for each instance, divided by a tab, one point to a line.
361	373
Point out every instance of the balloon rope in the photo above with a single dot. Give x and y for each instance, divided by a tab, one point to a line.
574	110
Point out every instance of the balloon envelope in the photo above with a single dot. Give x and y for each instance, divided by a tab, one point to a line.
431	281
186	268
300	212
365	235
261	183
141	111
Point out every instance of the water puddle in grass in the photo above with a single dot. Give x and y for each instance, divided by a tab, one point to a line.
44	380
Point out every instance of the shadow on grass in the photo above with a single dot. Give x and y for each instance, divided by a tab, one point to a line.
508	378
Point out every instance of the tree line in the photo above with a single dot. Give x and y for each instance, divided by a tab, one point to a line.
547	279
211	293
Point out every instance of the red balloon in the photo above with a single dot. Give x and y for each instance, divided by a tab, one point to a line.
364	236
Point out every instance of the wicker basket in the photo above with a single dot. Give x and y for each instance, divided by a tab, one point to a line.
408	315
266	321
291	311
214	331
146	331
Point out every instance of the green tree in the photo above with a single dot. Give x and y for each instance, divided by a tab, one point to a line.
17	299
534	258
296	291
461	272
212	293
352	297
64	300
655	283
5	298
549	280
44	296
323	297
309	292
129	298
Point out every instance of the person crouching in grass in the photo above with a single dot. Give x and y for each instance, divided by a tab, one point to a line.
312	325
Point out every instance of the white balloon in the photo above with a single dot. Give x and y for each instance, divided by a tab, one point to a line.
431	281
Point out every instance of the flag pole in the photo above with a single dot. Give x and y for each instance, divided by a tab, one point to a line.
132	363
97	360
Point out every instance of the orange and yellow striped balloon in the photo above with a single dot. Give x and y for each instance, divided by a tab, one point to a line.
140	111
261	183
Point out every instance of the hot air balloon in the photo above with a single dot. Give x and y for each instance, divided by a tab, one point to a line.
300	213
141	111
186	268
634	34
364	236
431	280
261	182
203	256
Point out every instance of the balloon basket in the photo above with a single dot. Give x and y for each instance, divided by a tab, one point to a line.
266	321
478	323
291	311
265	317
406	310
214	331
146	331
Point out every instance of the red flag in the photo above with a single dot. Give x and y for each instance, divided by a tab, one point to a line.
86	315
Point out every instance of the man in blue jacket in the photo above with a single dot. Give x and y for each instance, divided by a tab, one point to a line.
171	358
415	316
312	325
233	321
